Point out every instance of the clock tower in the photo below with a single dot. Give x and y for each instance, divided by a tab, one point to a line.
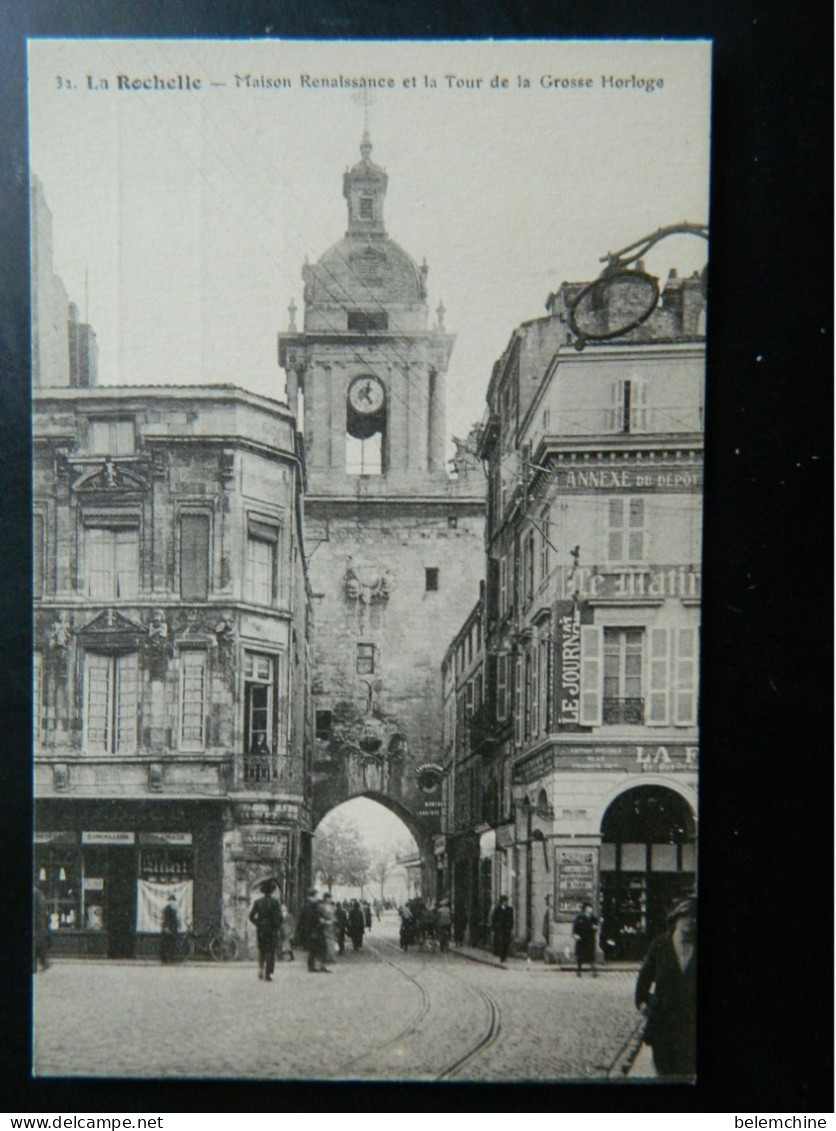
394	540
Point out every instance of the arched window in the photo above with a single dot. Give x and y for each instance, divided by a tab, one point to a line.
365	442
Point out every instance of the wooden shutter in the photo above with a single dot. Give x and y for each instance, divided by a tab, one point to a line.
127	562
592	674
126	704
635	531
638	406
518	704
615	413
685	677
194	556
99	673
615	530
658	665
502	686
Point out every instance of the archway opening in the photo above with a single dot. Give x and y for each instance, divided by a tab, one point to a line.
648	861
362	849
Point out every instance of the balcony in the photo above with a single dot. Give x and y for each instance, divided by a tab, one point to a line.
625	711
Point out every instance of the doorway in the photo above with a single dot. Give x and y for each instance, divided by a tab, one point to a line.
121	903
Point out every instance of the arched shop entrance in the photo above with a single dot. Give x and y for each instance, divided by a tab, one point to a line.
648	860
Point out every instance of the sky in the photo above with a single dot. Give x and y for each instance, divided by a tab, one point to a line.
182	218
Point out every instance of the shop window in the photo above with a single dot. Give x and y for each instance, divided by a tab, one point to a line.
365	659
194	557
626	535
111	437
431	579
111	703
260	581
37	555
112	561
192	700
58	875
628	411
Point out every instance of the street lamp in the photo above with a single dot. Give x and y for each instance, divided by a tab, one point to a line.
637	286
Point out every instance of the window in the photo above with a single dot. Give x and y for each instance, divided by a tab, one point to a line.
362	321
452	521
502	686
626	535
262	556
528	567
623	701
111	703
503	585
365	659
544	543
194	556
366	207
259	704
431	579
192	700
38	555
628	411
364	456
112	561
518	714
114	437
534	695
323	725
468	698
545	683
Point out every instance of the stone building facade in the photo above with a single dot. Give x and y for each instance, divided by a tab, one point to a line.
594	459
172	637
394	539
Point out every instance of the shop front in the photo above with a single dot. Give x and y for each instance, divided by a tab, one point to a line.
108	869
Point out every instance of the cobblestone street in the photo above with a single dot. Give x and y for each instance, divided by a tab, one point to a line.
381	1014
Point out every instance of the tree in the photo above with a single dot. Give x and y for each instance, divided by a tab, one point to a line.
339	855
380	868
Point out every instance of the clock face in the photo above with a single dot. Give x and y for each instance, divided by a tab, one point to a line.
366	395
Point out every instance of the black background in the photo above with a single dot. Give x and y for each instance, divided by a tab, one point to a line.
766	772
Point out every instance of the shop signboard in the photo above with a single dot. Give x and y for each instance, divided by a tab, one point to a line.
637	758
165	838
59	837
109	837
683	476
575	878
653	583
568	618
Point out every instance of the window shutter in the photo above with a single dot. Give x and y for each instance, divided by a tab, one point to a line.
502	686
635	548
518	714
503	585
127	562
657	679
615	530
638	406
194	556
126	704
193	700
592	674
98	671
38	555
615	413
685	680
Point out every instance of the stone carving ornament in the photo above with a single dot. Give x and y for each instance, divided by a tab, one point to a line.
368	584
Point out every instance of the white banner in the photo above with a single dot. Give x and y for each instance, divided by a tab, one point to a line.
152	898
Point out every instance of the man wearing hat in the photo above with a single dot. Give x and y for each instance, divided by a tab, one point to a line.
312	933
667	990
444	923
267	917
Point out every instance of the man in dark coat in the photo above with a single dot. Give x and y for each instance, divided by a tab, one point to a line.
40	931
502	925
583	932
170	928
340	926
356	925
670	971
312	933
267	917
459	923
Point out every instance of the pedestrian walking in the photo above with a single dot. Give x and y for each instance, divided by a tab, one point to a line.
502	925
41	938
367	915
340	926
583	932
266	914
444	924
356	925
459	922
170	928
311	934
327	915
287	933
666	989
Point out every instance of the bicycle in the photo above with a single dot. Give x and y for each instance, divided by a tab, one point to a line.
219	942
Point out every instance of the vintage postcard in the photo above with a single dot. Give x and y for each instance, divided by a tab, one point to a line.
368	446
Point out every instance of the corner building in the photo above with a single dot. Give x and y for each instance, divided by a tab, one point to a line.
172	735
593	615
394	541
